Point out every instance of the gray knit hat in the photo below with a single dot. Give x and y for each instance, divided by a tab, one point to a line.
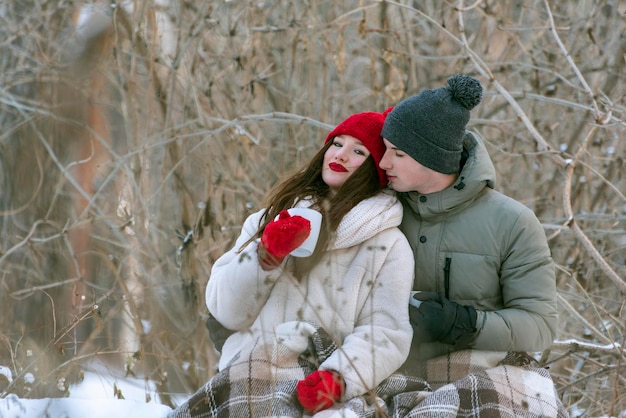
430	126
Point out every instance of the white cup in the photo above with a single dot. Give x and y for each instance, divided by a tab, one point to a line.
413	301
308	246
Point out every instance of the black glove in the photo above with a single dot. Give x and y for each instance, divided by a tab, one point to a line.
217	332
439	319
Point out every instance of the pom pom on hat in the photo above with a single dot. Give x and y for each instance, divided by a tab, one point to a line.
430	126
465	90
366	127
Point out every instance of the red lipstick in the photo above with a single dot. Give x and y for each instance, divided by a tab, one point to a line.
337	167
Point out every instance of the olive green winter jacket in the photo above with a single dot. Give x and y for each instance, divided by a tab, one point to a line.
479	247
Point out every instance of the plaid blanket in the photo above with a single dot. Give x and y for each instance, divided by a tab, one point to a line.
262	384
467	383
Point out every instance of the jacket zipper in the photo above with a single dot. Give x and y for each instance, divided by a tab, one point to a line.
446	276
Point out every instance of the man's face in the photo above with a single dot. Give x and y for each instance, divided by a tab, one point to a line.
407	175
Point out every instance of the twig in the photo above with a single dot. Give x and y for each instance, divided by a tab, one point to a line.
578	232
603	370
542	144
574	67
565	304
616	384
42	287
613	349
483	69
570	165
22	242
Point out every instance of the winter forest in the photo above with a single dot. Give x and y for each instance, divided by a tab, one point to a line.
135	137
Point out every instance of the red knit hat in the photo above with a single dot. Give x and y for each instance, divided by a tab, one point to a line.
366	127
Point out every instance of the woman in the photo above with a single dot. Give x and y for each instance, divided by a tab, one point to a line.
354	287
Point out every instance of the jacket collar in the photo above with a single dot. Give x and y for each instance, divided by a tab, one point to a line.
477	173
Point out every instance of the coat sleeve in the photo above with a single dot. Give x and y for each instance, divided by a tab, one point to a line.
528	320
238	288
381	339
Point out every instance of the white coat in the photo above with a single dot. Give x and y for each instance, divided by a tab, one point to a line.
358	293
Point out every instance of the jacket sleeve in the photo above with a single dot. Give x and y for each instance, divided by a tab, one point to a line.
528	320
238	288
381	339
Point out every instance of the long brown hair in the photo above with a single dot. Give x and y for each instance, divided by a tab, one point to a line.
307	183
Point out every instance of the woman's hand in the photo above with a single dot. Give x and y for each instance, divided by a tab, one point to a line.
281	237
320	390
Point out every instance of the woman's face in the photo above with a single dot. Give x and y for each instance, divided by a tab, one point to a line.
344	157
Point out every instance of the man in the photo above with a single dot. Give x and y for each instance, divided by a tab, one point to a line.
482	263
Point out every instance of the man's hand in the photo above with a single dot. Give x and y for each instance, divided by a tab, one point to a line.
439	319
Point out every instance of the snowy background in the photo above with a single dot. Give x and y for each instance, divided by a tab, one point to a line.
94	397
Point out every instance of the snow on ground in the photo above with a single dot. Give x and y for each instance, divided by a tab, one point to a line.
94	397
14	407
